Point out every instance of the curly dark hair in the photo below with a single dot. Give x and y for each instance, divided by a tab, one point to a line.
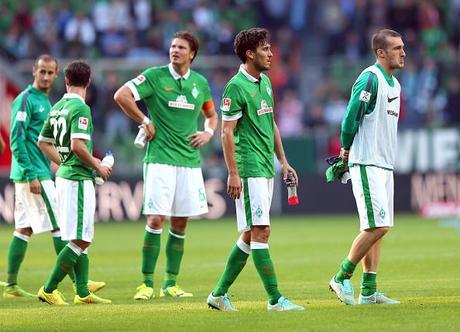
77	73
191	39
249	40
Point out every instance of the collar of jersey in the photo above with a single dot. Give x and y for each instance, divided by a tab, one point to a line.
248	76
35	90
175	75
74	95
387	77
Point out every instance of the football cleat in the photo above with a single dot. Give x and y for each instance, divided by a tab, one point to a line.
3	284
14	291
90	299
174	291
221	303
344	291
284	304
144	293
376	298
53	298
93	286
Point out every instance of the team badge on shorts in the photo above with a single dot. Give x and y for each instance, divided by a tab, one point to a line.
259	212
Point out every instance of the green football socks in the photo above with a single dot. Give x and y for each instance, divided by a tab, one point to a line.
81	269
16	253
65	262
174	254
59	244
266	270
368	283
346	270
235	264
150	253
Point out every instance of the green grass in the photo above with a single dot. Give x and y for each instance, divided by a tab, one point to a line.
420	266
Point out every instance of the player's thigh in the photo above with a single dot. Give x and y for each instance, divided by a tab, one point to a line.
159	189
371	196
190	196
76	207
253	206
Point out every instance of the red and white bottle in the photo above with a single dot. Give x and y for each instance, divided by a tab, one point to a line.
293	199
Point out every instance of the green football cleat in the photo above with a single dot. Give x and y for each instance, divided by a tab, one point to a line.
284	305
344	291
221	303
90	299
53	298
174	291
144	293
376	298
14	291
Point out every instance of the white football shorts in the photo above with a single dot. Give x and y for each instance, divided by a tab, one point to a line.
36	211
253	206
76	207
173	191
373	188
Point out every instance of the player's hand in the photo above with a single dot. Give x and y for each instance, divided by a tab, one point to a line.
199	139
149	131
234	186
344	155
104	171
34	187
287	169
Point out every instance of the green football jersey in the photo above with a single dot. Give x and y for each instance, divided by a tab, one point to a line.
174	104
70	118
29	110
250	101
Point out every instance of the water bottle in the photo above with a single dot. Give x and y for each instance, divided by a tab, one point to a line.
140	140
108	161
292	190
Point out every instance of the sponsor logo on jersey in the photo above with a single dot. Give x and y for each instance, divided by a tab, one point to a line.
21	116
83	123
181	102
264	108
365	96
139	79
226	102
394	113
391	99
63	149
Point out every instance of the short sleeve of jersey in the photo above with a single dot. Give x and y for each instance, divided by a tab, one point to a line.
142	86
81	123
46	134
232	103
207	92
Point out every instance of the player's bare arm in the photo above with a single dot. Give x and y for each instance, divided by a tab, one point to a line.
125	99
279	151
201	138
79	148
50	151
228	146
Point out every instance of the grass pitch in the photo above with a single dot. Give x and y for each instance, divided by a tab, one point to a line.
420	267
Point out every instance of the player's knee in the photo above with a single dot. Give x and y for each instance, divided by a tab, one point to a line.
381	231
179	224
25	231
260	234
155	222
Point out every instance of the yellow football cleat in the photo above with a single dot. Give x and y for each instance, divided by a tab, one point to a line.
174	291
53	298
90	299
144	293
94	286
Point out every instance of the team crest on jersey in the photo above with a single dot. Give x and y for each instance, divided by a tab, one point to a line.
269	91
195	91
264	108
83	123
226	102
139	79
41	108
365	96
181	102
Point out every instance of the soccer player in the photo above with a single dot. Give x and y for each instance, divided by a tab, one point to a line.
175	96
250	139
35	206
368	139
66	139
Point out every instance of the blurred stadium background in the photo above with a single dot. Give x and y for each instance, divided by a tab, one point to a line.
320	47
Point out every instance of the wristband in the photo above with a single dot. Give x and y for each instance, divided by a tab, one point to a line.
145	121
209	130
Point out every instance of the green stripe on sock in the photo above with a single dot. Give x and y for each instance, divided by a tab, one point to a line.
49	209
247	202
367	196
80	210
